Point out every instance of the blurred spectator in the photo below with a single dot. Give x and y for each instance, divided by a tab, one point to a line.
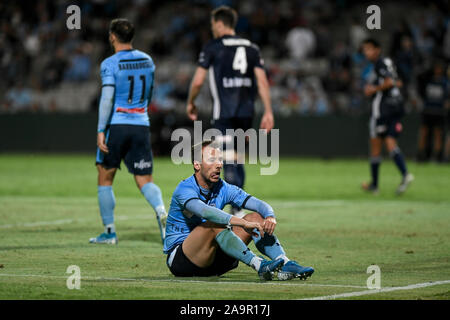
54	70
358	33
18	99
299	41
80	64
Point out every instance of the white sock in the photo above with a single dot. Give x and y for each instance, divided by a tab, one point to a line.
110	228
282	256
255	263
160	211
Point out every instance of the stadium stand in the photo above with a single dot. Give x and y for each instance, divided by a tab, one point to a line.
310	49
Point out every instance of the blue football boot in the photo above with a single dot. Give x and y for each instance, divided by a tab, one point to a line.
108	238
292	269
268	267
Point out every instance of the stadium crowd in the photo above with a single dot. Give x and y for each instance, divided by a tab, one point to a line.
311	50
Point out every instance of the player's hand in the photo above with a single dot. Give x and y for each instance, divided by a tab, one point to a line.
250	226
101	142
267	121
369	90
192	111
269	225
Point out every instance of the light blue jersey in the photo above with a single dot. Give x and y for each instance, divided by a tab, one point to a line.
131	72
181	222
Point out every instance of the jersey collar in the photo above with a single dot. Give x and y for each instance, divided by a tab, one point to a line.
208	193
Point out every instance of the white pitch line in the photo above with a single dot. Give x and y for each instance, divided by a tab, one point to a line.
375	291
185	281
66	221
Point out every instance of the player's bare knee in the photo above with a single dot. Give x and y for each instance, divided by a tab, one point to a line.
142	180
105	176
253	217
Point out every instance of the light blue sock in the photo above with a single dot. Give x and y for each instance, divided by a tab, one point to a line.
269	246
232	245
106	202
153	195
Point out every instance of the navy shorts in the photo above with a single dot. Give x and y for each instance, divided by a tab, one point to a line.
232	123
130	143
385	126
433	120
181	266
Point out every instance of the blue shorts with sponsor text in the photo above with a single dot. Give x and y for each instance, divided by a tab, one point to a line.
130	143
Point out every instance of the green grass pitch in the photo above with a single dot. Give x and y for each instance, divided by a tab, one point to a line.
48	211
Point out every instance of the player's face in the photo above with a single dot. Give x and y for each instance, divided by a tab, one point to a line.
212	163
371	52
111	40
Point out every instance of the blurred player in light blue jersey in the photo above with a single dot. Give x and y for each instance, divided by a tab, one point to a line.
202	240
124	127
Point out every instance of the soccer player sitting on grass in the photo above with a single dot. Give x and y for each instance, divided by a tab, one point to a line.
203	240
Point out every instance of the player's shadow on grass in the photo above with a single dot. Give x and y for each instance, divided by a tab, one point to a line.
143	236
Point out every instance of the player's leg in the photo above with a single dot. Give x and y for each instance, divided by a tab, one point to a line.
270	246
201	246
437	143
107	165
397	156
447	147
106	203
153	195
139	161
423	138
376	144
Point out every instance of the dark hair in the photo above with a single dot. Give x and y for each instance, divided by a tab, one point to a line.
122	29
203	144
373	42
225	14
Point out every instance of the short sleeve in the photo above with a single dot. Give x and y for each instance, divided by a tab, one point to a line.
185	193
257	60
206	56
384	68
107	73
235	195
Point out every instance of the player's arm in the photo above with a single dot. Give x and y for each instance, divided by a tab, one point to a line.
106	102
194	90
213	214
267	121
389	81
265	210
387	84
104	114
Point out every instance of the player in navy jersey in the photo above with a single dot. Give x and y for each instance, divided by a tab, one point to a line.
236	74
387	110
433	87
123	127
203	240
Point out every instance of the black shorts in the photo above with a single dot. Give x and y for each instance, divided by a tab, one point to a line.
181	266
232	123
433	120
385	126
130	143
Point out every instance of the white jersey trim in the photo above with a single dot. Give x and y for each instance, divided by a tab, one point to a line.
376	105
215	95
